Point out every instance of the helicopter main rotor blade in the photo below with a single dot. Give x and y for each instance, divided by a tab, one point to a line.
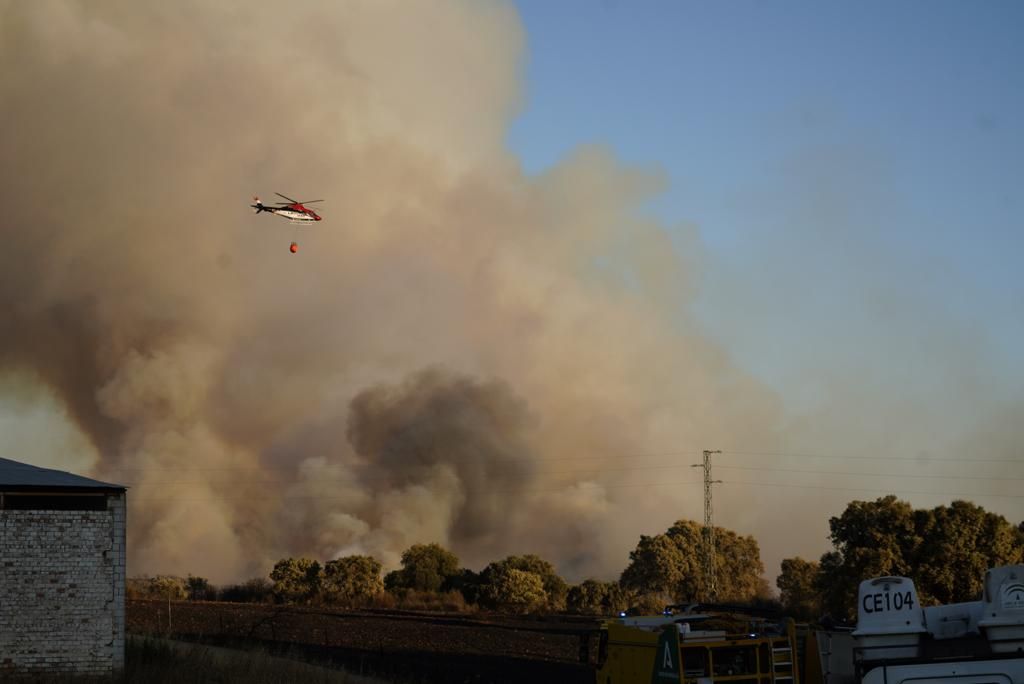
286	197
309	201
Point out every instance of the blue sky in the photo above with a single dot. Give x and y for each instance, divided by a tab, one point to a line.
855	171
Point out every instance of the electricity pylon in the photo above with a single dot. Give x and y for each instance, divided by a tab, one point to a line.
710	582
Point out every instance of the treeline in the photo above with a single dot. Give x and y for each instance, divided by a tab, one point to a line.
430	577
663	569
946	551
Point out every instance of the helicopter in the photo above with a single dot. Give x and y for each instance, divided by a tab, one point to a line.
293	210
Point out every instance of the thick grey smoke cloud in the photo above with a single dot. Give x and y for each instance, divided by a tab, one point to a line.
459	353
435	425
428	366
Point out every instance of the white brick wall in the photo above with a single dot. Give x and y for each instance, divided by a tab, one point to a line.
62	590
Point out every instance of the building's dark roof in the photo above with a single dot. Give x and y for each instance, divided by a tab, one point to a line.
22	476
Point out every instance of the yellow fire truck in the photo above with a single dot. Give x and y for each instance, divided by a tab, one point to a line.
702	648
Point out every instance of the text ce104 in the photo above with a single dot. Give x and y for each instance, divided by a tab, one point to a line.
885	601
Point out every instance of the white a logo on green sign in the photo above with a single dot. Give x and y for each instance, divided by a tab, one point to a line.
666	662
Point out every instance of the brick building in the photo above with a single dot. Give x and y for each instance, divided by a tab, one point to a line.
62	570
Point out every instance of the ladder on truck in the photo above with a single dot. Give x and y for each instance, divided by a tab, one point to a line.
783	662
784	656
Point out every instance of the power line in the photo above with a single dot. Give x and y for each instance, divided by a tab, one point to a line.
370	477
916	459
632	455
644	485
509	490
848	474
881	490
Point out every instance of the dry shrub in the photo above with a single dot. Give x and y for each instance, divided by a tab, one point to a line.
255	590
447	601
384	600
159	587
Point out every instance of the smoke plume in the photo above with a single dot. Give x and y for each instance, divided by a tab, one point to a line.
427	368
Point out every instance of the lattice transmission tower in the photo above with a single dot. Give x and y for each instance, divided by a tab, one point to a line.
710	552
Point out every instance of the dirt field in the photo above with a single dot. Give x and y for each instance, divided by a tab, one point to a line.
402	645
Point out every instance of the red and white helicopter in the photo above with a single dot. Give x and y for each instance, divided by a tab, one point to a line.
293	210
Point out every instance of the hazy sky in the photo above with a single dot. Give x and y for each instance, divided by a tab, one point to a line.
832	154
566	246
855	173
854	170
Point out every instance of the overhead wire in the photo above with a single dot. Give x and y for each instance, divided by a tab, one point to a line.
366	478
662	454
577	471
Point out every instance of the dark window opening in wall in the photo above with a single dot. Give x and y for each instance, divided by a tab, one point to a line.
53	502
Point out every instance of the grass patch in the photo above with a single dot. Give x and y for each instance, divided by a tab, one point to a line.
161	661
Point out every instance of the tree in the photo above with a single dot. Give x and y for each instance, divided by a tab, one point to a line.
425	567
871	539
352	580
586	597
959	543
617	599
159	587
199	589
554	587
514	589
169	587
592	597
658	566
945	550
467	583
670	566
798	588
738	566
393	581
296	579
